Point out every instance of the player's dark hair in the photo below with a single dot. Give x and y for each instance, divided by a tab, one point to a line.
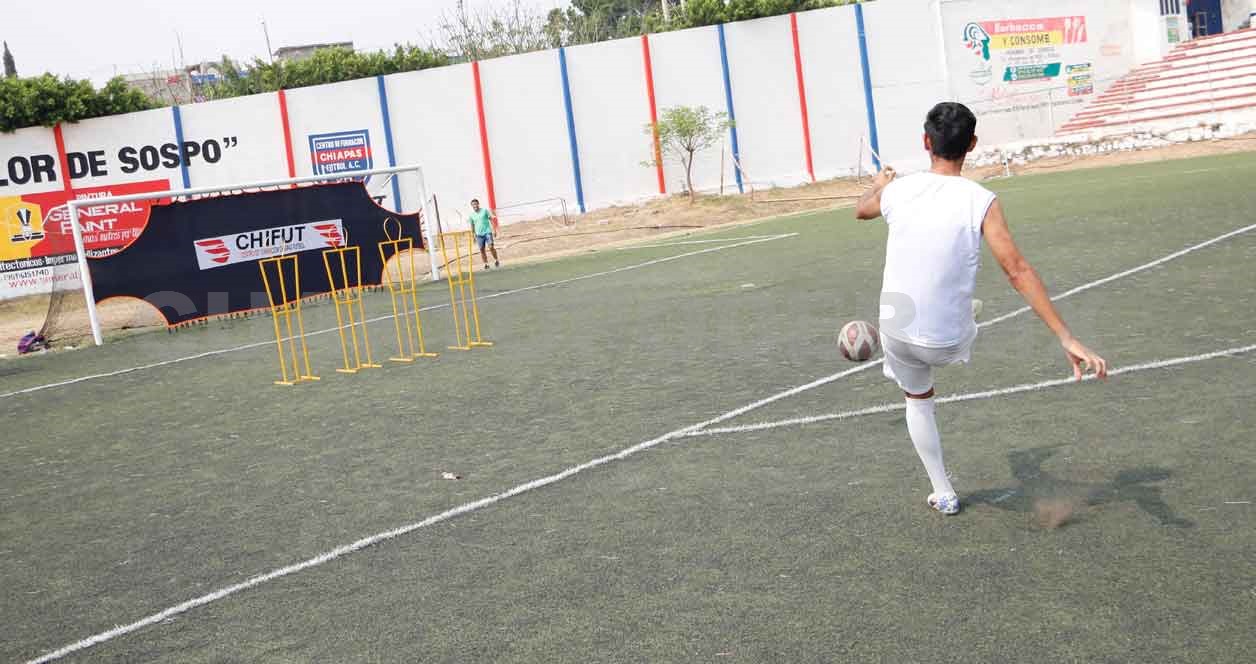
950	127
475	200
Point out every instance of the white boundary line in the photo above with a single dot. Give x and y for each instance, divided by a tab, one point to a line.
1126	273
528	486
971	396
258	344
685	242
1128	178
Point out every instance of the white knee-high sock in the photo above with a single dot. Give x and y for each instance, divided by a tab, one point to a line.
924	435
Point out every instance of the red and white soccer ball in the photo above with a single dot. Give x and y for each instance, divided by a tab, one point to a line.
858	341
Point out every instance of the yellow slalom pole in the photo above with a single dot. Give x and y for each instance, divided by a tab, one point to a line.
401	314
411	281
285	305
296	302
274	314
340	322
463	277
357	287
451	276
348	301
475	306
346	292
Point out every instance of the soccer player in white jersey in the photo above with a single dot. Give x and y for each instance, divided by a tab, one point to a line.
936	223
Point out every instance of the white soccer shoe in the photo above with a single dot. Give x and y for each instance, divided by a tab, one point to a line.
947	503
978	305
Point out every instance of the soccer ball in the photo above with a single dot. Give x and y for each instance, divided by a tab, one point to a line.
858	341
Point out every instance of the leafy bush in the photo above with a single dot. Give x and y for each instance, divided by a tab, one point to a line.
326	65
46	100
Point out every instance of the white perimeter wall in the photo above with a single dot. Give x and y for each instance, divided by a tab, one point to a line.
916	52
351	106
527	128
687	72
765	94
610	108
829	45
252	125
434	125
908	76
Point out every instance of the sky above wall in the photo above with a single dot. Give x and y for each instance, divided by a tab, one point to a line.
98	39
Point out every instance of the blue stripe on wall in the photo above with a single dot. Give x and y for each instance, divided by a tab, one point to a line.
388	139
732	115
178	137
867	81
571	128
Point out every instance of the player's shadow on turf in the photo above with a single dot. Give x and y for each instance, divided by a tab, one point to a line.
1036	484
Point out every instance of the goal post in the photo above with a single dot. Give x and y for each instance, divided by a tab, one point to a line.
73	206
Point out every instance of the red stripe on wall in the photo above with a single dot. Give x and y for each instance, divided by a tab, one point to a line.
654	114
484	151
62	158
802	96
287	133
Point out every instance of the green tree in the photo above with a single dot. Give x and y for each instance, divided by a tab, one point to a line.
684	131
703	12
590	21
10	68
326	65
492	32
46	100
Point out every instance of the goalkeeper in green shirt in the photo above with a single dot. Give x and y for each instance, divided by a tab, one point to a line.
482	225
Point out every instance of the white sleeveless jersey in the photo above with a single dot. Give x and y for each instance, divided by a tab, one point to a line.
931	258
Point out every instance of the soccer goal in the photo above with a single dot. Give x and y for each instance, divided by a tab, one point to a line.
195	255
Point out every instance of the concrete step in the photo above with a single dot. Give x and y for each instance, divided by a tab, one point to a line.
1177	94
1203	84
1203	110
1200	78
1212	40
1158	109
1203	66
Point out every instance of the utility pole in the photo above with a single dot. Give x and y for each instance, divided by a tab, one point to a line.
667	12
183	65
269	53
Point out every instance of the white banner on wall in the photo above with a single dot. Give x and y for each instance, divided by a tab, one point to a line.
1026	67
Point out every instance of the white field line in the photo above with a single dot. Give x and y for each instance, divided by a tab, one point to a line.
685	242
1126	273
478	504
971	396
259	344
396	532
1128	178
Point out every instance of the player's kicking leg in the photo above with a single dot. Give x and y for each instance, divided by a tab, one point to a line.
911	367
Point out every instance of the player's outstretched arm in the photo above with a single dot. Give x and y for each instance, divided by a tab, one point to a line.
1026	281
869	205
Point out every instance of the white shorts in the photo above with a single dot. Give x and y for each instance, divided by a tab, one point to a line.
911	366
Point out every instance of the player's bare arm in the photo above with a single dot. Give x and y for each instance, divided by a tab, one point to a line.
869	205
1026	281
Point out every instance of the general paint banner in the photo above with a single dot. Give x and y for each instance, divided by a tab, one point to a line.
199	258
37	240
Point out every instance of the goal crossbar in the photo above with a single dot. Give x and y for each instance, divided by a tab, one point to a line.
80	251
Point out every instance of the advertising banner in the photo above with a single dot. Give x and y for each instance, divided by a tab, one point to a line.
199	258
37	242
